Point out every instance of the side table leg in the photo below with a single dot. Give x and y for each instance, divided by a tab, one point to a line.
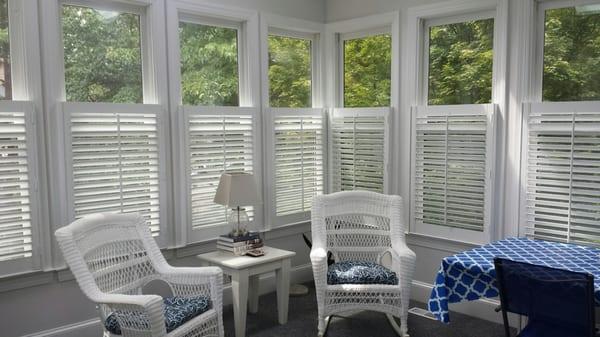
239	290
283	290
253	294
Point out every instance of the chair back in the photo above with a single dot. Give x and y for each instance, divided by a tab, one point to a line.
110	253
548	296
357	225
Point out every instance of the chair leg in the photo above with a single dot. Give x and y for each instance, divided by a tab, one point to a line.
323	325
399	329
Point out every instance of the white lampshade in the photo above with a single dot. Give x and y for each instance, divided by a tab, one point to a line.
237	189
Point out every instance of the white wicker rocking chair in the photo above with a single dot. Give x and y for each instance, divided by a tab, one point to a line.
367	227
114	255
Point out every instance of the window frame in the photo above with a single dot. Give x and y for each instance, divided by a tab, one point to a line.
249	97
449	20
537	72
355	35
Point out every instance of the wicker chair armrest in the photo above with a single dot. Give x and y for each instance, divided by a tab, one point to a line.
192	275
318	258
403	263
190	282
135	313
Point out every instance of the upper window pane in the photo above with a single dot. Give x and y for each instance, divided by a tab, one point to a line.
367	71
209	65
572	54
5	78
460	63
103	55
289	72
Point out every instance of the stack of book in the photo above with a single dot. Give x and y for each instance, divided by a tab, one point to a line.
240	245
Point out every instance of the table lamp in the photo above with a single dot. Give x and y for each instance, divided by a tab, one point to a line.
237	190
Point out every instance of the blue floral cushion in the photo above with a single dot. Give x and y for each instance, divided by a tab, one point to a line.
358	272
178	310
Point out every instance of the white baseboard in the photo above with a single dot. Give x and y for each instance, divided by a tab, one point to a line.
482	308
92	328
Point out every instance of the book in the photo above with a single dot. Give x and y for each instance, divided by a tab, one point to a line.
248	236
238	244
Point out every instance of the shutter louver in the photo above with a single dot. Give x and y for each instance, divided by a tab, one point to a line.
563	172
452	161
115	161
15	204
217	143
358	149
298	148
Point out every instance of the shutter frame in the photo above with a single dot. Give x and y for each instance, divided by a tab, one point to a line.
453	142
212	114
368	126
150	120
561	155
279	120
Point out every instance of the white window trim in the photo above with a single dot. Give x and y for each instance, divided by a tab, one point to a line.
412	67
538	63
155	92
247	23
371	25
384	112
292	27
27	96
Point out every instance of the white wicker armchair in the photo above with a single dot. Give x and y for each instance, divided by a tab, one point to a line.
367	227
114	255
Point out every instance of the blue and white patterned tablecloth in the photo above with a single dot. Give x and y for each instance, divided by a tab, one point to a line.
470	275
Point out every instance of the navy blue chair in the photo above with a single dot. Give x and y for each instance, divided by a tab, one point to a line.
557	303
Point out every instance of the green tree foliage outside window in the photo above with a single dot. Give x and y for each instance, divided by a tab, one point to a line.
460	63
289	72
209	65
572	54
5	70
367	71
103	60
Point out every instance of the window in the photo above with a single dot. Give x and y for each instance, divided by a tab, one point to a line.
367	71
290	75
102	55
209	65
453	160
220	139
115	159
358	149
571	50
460	59
563	150
5	68
298	162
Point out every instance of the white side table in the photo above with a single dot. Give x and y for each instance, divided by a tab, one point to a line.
245	273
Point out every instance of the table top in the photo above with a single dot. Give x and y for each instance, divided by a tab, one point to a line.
470	275
229	260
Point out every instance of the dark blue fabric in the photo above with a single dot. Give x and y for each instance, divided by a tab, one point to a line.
358	272
470	275
178	310
554	300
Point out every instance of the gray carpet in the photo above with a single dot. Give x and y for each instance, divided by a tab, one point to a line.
303	322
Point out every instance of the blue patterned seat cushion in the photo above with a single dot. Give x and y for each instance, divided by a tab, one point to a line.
359	272
178	310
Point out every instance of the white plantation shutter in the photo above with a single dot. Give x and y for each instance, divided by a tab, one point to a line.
298	161
358	149
219	139
115	158
453	157
562	200
16	190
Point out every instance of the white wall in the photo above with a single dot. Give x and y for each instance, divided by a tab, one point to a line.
312	10
347	9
